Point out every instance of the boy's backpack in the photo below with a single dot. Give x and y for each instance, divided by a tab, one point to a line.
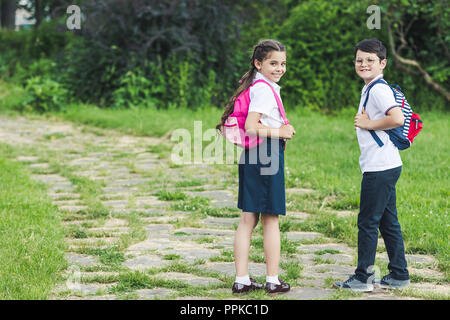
234	127
402	137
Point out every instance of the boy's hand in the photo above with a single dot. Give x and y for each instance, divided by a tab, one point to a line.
362	120
287	131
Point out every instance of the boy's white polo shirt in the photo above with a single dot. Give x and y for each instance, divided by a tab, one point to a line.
263	101
373	157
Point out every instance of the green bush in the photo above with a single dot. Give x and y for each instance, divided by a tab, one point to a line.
182	39
23	47
12	96
163	84
44	95
44	68
192	53
321	36
134	91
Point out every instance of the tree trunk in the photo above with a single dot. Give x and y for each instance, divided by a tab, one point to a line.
39	6
413	63
8	14
58	8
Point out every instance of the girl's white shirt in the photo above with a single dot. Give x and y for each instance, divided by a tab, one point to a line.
263	101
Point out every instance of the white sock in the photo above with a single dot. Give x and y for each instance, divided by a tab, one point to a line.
273	279
243	280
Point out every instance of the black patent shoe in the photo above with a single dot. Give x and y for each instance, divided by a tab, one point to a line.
272	288
239	288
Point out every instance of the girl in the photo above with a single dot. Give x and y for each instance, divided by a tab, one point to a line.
259	193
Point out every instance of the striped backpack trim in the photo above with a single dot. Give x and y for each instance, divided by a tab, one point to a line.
402	137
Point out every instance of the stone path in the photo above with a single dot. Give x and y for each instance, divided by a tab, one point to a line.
139	227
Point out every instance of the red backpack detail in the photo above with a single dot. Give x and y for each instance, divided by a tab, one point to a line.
234	127
402	137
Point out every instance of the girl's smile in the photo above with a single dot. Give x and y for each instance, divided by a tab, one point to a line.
273	67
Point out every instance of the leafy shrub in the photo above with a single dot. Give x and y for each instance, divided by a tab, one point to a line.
134	91
44	95
44	68
23	47
183	38
320	37
191	53
12	96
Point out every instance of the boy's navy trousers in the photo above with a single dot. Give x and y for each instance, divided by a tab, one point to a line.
378	211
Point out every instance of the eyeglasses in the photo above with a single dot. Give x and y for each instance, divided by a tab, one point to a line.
370	61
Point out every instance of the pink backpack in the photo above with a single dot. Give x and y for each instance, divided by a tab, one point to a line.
234	127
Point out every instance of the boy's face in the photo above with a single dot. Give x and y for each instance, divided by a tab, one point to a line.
273	66
368	65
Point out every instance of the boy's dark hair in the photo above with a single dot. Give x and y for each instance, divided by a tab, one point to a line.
372	46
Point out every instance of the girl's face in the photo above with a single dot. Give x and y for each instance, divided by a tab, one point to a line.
368	65
273	66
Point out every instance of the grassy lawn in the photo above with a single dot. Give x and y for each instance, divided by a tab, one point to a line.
324	156
31	237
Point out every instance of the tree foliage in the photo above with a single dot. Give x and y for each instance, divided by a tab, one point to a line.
191	53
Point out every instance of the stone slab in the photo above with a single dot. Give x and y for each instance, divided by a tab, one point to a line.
206	232
81	259
308	293
311	248
228	268
299	236
190	279
153	294
221	222
146	262
324	271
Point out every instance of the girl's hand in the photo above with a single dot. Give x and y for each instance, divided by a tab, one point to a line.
287	131
362	120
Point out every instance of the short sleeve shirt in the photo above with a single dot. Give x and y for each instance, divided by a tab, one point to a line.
263	101
373	157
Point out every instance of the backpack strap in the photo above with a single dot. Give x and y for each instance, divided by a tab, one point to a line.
372	132
279	103
277	98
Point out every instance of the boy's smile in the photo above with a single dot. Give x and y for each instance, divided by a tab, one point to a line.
274	66
368	65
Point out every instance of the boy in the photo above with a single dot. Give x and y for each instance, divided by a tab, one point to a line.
381	167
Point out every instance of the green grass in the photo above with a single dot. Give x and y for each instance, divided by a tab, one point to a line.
321	252
324	156
172	257
170	196
31	236
11	96
110	256
141	121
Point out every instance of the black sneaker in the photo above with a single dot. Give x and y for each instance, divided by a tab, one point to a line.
272	288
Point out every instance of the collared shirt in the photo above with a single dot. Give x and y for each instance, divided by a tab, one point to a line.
263	101
373	157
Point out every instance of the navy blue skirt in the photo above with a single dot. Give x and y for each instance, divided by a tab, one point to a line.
261	178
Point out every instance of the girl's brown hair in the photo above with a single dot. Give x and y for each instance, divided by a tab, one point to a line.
260	52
